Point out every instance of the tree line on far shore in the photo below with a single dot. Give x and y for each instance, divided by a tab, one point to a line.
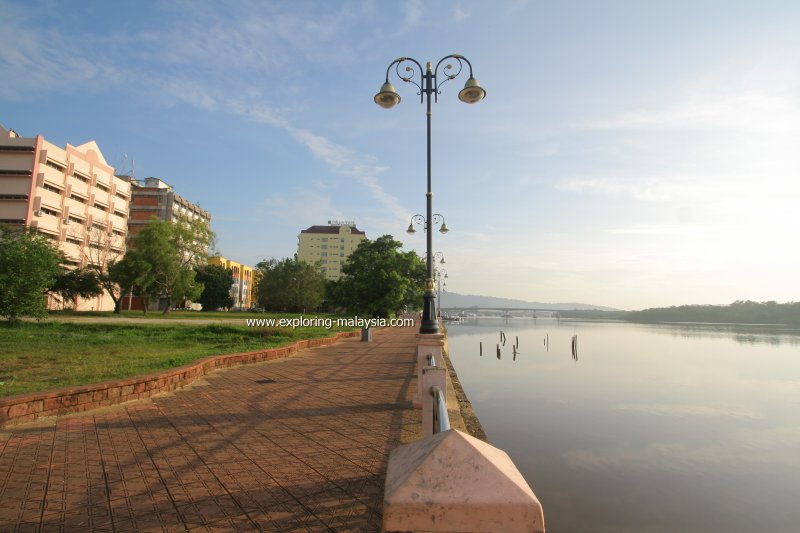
739	312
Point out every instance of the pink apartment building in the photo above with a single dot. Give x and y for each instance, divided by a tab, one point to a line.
69	195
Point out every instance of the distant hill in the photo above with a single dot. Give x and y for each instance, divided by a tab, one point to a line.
453	299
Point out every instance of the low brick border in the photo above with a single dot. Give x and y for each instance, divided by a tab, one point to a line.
22	408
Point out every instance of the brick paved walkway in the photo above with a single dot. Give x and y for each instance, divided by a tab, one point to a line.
298	444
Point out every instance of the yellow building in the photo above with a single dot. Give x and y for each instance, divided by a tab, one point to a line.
71	196
330	245
242	288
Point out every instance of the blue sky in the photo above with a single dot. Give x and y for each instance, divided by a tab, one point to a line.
630	154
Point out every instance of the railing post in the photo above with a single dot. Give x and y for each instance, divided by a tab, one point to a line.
452	482
427	343
432	376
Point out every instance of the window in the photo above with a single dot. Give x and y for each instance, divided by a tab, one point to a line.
78	198
80	177
20	148
73	240
58	166
13	196
48	211
50	188
75	220
121	196
102	187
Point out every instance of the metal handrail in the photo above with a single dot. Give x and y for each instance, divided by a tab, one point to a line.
431	360
441	421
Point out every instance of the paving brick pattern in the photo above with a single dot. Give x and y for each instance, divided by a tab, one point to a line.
296	444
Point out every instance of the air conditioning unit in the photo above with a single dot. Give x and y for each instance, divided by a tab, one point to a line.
38	213
66	222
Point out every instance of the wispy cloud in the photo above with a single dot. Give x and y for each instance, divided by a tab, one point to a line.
413	12
658	230
301	205
31	62
652	188
755	93
460	14
211	42
752	111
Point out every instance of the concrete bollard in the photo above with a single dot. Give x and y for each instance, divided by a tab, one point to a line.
432	376
454	483
427	343
366	334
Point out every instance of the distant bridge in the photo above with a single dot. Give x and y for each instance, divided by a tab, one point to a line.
504	311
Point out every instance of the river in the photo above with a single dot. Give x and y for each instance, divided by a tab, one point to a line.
653	428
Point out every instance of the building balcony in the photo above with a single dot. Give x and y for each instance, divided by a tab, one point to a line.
50	199
53	175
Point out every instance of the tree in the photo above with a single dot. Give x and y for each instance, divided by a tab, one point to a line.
164	254
379	279
28	265
73	282
101	249
290	285
134	273
217	282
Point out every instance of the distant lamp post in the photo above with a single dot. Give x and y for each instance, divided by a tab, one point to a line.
441	280
422	221
429	84
437	257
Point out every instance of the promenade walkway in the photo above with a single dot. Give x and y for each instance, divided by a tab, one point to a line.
296	444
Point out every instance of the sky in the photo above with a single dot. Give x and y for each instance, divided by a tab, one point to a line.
628	154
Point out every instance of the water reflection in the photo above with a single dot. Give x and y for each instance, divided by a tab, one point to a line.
659	428
745	334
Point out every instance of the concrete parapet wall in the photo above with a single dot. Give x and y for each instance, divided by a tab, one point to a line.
454	483
24	408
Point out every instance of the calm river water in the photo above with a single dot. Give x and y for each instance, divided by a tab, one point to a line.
657	428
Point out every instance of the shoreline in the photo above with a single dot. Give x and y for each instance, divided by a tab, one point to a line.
471	421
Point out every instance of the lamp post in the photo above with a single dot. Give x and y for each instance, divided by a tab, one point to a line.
437	257
428	85
441	274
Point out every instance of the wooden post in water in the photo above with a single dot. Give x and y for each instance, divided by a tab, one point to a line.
498	351
575	347
480	346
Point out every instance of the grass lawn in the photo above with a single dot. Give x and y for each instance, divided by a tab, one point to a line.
183	315
35	357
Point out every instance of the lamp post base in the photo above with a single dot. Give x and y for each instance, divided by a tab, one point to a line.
429	323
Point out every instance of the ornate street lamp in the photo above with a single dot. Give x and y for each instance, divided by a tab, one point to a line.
441	280
422	221
438	257
429	84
